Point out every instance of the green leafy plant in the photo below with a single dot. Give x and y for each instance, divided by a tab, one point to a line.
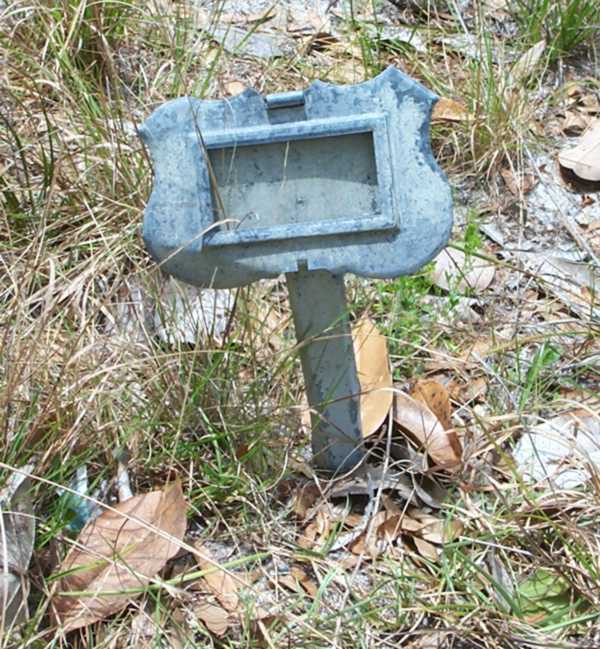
536	381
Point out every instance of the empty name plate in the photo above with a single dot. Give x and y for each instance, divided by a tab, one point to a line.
270	185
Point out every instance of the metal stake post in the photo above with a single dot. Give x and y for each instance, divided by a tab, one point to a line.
318	302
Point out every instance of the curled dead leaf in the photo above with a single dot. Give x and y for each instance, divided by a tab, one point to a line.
124	548
222	585
584	159
373	368
418	420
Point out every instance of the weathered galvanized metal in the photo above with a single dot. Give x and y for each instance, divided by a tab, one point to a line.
313	184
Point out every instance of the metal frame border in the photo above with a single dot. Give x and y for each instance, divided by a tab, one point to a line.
374	123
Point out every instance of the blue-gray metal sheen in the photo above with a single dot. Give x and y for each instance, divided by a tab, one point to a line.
313	184
382	211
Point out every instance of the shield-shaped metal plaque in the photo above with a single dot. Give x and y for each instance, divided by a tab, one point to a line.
333	178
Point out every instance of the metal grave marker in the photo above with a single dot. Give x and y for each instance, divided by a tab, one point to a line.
313	184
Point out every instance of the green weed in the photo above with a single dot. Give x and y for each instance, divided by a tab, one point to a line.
564	24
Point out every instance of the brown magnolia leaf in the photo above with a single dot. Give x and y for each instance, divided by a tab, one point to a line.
123	548
452	270
435	396
584	159
215	618
373	368
415	417
449	110
222	585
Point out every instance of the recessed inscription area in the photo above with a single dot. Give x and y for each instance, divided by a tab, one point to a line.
296	182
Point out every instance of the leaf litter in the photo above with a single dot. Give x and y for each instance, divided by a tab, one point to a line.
405	508
121	550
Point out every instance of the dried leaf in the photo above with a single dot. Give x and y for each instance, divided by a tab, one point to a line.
575	122
453	271
290	582
214	617
395	525
219	582
443	446
366	481
235	88
449	110
426	549
561	450
373	367
304	499
121	549
316	533
17	535
435	396
518	183
584	159
527	62
436	530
